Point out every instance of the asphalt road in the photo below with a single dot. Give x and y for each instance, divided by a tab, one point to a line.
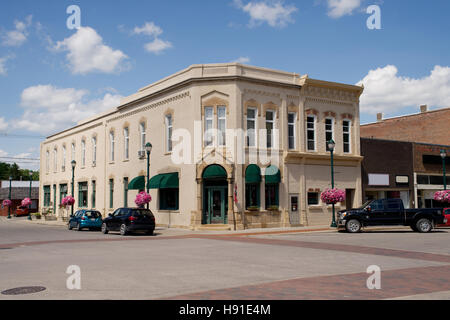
180	264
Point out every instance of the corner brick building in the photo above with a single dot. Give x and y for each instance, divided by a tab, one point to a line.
425	127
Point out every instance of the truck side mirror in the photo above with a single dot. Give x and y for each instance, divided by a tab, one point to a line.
369	209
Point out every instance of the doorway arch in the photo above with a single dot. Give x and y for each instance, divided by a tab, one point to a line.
215	195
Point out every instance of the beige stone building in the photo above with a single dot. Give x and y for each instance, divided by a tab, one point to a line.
211	127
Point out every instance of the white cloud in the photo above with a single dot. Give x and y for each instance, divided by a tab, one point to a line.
3	124
156	46
339	8
386	91
87	53
49	109
3	153
149	29
18	36
274	13
242	60
3	70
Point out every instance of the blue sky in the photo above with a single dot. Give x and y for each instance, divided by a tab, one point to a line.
49	77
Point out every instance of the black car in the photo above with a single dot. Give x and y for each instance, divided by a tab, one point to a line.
128	220
390	212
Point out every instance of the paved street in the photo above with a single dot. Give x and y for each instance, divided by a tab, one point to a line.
181	264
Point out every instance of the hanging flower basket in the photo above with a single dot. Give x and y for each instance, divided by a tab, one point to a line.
333	196
142	199
442	196
68	201
26	202
6	203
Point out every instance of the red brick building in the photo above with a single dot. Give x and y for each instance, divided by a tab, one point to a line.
431	127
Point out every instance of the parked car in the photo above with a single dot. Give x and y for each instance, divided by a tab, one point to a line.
447	216
128	220
82	219
21	212
390	212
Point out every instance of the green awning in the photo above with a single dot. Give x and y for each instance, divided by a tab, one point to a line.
214	171
137	183
164	181
273	175
253	174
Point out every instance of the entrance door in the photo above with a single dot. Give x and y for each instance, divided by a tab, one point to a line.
294	213
216	206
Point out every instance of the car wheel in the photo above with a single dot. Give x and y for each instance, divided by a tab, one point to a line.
353	226
104	229
424	225
78	227
123	230
69	226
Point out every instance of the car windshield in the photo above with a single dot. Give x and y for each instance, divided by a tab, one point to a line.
366	204
92	214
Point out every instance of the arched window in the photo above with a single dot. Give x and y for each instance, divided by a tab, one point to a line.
111	146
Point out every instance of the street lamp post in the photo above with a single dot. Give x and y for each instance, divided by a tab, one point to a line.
148	149
443	156
73	163
29	206
9	197
331	146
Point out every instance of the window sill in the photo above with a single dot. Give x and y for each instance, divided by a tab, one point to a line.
169	211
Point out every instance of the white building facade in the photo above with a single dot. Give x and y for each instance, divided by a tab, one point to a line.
233	145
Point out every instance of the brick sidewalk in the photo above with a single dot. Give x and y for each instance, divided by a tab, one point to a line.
394	283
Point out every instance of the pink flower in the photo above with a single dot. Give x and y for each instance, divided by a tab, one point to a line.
68	201
333	196
6	203
142	199
442	196
26	202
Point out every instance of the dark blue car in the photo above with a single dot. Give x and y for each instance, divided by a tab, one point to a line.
86	219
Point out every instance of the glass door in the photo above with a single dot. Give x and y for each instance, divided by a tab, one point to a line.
216	207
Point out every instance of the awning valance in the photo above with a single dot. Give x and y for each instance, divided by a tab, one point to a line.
273	175
164	181
253	174
137	183
214	171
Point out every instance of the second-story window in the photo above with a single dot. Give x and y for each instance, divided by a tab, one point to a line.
221	125
329	131
47	161
83	153
73	152
63	166
270	116
292	118
346	129
251	127
169	133
111	142
126	137
55	160
208	135
94	151
142	135
311	133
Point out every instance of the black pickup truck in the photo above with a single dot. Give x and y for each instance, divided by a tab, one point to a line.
389	212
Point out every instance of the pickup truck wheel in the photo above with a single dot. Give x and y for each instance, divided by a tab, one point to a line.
424	225
104	229
353	226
